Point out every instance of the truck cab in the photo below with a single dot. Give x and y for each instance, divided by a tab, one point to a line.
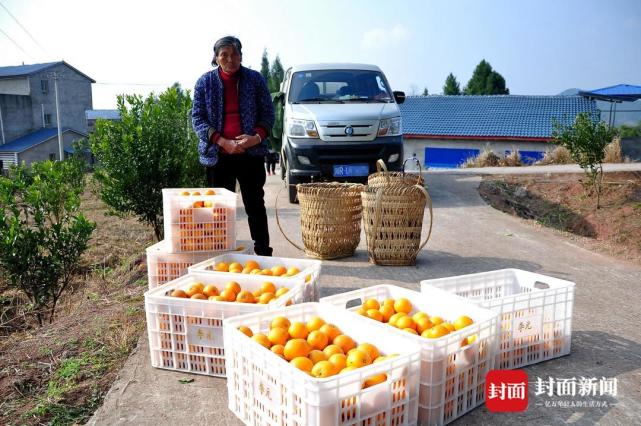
338	120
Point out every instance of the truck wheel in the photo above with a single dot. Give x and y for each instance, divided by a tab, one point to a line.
291	189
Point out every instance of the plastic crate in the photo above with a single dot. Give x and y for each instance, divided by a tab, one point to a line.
535	312
163	266
187	334
264	389
309	269
192	227
452	379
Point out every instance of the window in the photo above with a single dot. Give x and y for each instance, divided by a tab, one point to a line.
52	157
339	86
47	118
44	85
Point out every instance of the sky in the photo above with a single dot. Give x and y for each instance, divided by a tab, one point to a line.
541	47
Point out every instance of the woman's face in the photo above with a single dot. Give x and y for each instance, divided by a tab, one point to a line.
228	59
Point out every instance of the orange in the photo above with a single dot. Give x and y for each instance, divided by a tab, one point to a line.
255	272
292	271
195	193
266	272
235	265
278	336
199	296
317	340
210	290
395	317
405	322
371	304
344	342
314	323
317	356
281	291
222	267
210	192
194	290
436	332
302	363
278	350
410	330
278	270
374	314
246	270
257	293
245	297
268	287
308	278
370	349
262	340
374	380
280	322
217	298
199	286
419	314
246	331
403	305
332	350
339	361
358	358
323	369
423	324
236	270
265	298
386	311
330	330
184	193
462	322
449	326
436	320
252	264
361	311
298	330
229	295
233	286
178	293
469	340
296	348
388	302
347	370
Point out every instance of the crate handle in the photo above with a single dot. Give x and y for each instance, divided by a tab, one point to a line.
353	302
541	285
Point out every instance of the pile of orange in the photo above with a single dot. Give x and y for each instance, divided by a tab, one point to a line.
318	348
232	292
253	267
398	313
198	204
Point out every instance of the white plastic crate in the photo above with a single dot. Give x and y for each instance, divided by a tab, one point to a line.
535	312
309	269
452	379
199	222
264	389
187	335
163	266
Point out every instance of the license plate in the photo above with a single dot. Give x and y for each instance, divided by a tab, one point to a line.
351	170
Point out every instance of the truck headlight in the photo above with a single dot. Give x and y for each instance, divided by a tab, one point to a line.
301	128
390	127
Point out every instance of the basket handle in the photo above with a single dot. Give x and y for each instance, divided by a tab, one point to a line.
428	199
418	163
278	220
380	166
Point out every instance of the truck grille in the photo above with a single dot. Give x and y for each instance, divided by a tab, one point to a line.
336	131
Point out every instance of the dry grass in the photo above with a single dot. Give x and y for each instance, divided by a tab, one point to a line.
559	155
512	160
613	152
486	158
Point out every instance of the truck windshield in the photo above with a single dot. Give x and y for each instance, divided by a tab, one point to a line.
339	86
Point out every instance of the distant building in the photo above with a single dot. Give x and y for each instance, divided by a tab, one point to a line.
104	114
28	110
443	131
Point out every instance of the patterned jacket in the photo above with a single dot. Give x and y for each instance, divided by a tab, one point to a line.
256	110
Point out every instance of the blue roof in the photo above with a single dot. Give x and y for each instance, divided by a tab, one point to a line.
32	139
24	70
107	114
620	92
512	116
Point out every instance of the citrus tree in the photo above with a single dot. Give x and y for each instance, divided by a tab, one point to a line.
152	147
586	140
42	231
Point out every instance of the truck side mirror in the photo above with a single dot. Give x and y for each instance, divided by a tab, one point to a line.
399	97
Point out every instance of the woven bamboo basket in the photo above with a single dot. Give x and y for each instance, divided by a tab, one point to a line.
330	219
393	222
383	178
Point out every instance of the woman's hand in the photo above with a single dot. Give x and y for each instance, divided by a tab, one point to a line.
247	141
230	146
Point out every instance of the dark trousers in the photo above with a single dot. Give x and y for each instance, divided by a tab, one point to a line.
250	173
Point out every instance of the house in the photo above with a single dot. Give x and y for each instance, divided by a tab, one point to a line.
28	121
443	131
103	114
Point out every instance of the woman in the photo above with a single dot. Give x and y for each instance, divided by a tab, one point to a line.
232	115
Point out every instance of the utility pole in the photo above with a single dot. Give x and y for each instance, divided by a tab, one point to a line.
54	75
2	126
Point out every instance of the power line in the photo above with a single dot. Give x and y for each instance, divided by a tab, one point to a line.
24	29
17	45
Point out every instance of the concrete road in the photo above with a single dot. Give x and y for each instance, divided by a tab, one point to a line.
468	237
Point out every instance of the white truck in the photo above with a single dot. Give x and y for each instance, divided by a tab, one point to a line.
338	120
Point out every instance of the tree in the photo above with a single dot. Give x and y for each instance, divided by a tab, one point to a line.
152	147
451	86
277	75
586	140
425	92
264	68
42	231
633	131
486	81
